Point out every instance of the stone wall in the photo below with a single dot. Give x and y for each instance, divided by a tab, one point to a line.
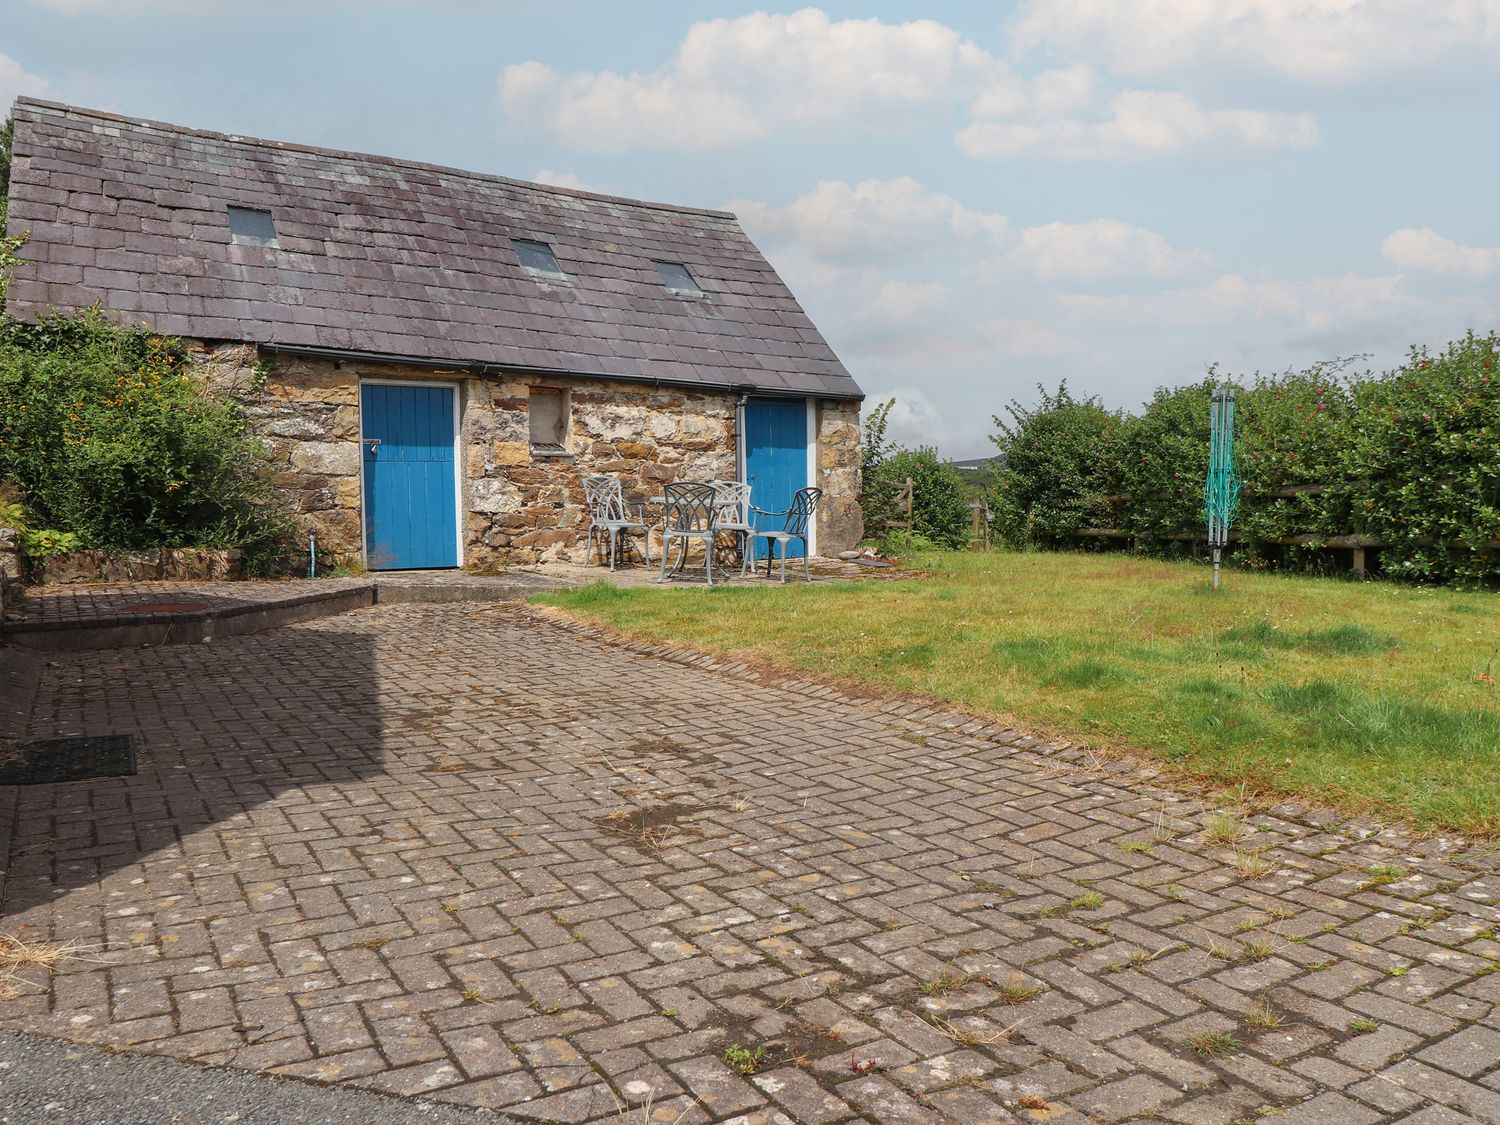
179	564
841	522
10	566
519	504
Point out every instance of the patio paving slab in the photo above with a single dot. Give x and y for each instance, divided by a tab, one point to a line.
463	852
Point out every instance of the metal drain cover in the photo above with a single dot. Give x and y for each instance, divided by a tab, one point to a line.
45	761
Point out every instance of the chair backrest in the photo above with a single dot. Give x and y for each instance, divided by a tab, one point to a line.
690	507
604	498
804	504
734	500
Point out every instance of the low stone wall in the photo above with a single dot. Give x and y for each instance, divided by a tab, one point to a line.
183	564
519	505
10	566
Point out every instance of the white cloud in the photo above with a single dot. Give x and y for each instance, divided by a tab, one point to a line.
1343	305
1137	123
1318	42
1426	251
570	180
899	225
1024	339
115	7
1104	248
733	80
873	220
916	420
14	81
900	301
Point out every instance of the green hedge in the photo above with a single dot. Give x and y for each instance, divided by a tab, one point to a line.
108	436
1410	458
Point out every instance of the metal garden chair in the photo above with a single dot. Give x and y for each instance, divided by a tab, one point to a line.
735	515
794	521
691	513
606	504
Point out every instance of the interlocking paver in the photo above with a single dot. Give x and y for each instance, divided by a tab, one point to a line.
467	853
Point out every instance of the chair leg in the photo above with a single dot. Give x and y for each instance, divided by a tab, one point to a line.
806	562
708	559
665	544
589	550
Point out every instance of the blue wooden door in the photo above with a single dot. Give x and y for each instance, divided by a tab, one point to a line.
411	510
776	454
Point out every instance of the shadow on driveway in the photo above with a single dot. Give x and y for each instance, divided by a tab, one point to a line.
199	715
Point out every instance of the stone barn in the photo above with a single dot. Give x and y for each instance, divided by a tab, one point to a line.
439	357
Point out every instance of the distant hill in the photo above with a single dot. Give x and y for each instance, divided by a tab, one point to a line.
978	474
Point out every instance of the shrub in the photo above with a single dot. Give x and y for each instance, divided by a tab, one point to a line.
1427	461
112	440
940	503
1061	466
1163	460
1410	458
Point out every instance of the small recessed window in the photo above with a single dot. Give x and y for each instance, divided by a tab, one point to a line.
250	227
548	408
536	258
675	277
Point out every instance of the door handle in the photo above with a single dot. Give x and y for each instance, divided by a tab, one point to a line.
372	442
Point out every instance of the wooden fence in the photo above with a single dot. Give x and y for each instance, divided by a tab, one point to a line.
1356	543
898	504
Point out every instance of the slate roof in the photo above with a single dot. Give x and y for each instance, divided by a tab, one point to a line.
394	258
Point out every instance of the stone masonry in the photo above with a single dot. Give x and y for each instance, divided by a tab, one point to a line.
520	505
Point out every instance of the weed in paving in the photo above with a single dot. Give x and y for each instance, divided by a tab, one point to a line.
745	1060
1212	1044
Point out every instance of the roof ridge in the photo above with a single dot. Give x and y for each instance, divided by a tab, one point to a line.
376	158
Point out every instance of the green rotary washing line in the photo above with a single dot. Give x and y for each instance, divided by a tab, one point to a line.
1221	491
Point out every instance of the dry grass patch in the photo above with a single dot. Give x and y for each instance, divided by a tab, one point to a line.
651	828
1254	866
949	980
647	1112
968	1037
17	954
1258	948
1224	829
1213	1044
1015	989
1261	1016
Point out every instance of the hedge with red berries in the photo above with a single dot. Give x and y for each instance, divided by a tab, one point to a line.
1407	461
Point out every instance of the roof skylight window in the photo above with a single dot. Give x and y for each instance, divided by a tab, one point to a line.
249	226
675	277
536	258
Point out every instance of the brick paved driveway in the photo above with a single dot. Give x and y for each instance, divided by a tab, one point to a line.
464	853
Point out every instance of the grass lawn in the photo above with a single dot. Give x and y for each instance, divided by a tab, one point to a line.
1366	697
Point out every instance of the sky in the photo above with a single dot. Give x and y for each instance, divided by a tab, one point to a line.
969	199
